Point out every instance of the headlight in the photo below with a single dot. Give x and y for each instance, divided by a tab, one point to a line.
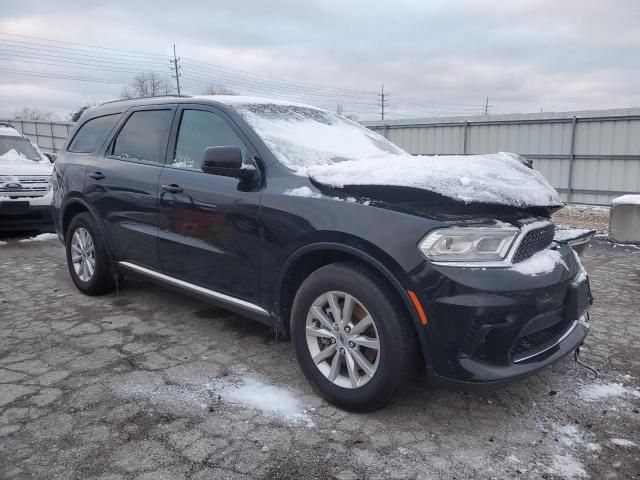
468	244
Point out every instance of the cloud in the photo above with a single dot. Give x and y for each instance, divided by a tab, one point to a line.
574	54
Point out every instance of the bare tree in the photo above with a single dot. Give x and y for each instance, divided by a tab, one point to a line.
77	113
148	84
218	90
33	114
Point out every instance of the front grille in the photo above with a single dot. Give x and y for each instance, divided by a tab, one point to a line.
534	241
537	342
30	186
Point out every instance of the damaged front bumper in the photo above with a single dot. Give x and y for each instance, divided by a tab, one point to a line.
490	327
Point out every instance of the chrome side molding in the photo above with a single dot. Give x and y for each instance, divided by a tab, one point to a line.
221	297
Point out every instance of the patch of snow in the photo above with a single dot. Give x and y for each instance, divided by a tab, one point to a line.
569	234
582	272
621	442
626	200
494	178
302	192
12	156
570	436
597	392
566	466
269	399
587	208
43	237
539	263
247	392
9	132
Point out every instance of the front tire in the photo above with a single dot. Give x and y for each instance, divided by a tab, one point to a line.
352	337
87	256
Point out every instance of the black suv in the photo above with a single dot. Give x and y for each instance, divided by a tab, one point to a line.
216	196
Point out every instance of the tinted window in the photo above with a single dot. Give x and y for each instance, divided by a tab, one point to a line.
144	136
199	130
92	134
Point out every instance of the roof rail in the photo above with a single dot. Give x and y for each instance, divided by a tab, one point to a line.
144	98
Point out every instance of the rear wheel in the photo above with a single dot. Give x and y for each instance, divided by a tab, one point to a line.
352	338
87	257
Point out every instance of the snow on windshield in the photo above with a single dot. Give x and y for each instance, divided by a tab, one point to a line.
13	157
301	136
18	145
336	151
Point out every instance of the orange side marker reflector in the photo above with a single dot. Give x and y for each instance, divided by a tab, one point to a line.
419	309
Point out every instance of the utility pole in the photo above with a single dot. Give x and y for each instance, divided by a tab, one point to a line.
176	68
383	101
486	107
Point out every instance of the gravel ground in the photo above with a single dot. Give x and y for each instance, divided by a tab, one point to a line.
583	216
151	384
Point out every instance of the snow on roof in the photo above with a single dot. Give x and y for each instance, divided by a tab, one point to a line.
232	100
500	178
9	132
627	200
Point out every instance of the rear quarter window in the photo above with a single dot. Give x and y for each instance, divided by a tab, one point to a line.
92	133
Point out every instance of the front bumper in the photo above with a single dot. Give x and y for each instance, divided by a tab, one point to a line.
26	213
489	327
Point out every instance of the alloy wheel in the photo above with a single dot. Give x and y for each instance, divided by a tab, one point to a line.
343	339
83	255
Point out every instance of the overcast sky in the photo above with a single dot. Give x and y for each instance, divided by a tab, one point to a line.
449	55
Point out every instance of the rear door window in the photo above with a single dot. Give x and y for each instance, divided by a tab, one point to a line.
144	136
92	133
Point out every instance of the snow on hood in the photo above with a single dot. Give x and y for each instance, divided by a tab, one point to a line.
13	163
501	178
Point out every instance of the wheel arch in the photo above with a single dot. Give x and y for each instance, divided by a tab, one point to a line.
74	206
309	258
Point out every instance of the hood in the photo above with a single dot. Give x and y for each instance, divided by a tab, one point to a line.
502	180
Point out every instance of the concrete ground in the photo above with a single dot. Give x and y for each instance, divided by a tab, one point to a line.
151	384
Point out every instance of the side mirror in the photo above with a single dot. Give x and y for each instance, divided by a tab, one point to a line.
227	162
51	156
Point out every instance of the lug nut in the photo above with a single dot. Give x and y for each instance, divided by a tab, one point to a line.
347	329
333	340
341	350
335	327
352	345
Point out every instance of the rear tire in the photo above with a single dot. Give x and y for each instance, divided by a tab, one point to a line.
368	356
87	256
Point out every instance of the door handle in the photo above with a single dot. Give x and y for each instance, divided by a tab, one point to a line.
173	188
96	175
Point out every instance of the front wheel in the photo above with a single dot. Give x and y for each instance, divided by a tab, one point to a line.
87	256
352	338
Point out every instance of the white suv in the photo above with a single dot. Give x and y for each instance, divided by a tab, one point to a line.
25	183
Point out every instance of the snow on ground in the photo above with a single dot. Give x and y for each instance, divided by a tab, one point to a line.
566	234
540	263
43	237
621	442
597	392
254	394
626	200
245	392
566	466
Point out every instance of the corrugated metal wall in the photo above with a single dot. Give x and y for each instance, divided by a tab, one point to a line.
589	157
49	136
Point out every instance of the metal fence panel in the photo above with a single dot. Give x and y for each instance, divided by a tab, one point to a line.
48	135
589	157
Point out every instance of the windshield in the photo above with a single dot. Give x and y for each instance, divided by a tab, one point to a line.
19	145
302	137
